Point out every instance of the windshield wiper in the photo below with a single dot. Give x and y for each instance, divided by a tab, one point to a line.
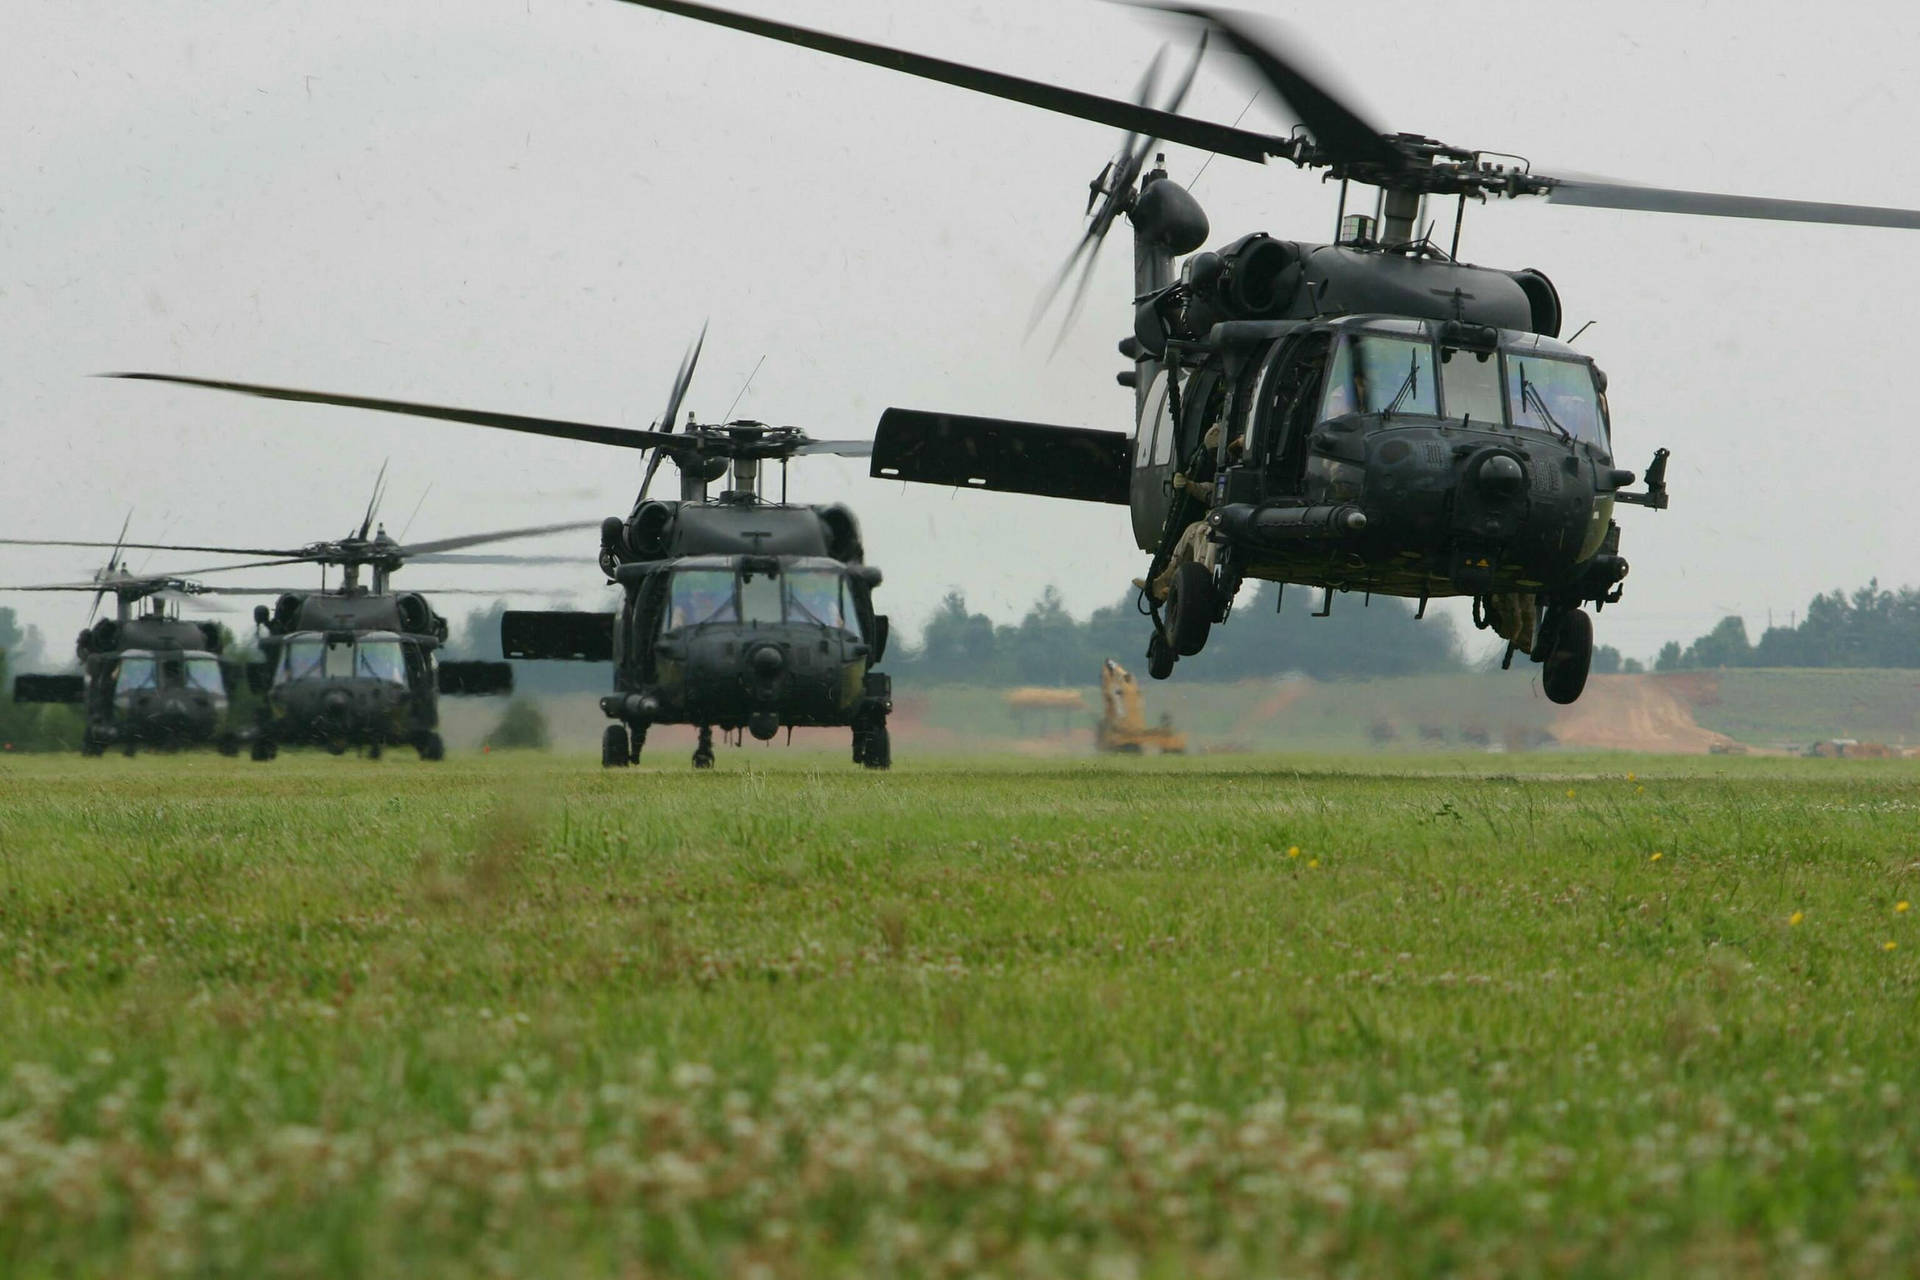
1406	387
1530	395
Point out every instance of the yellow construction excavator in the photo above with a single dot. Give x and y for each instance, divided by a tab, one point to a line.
1123	724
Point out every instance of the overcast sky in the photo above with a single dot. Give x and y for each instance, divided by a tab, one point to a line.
532	205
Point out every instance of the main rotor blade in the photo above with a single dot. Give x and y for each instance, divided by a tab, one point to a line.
681	382
1342	134
373	502
591	433
1622	195
152	546
412	550
457	558
1241	144
840	448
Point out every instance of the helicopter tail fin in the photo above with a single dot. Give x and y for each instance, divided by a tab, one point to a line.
1002	455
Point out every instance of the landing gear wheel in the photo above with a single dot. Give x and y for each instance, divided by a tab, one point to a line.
373	751
431	748
1160	656
879	749
128	750
1190	608
703	754
264	749
90	745
1563	672
615	747
228	745
860	746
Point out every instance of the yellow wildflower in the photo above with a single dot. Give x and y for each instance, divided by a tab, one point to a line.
1657	855
1629	775
1901	907
1796	918
1639	791
1569	793
1891	945
1313	862
1293	851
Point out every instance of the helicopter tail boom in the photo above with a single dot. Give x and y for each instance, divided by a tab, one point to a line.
1002	455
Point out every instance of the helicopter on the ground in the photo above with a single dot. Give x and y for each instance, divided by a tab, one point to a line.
355	665
1367	415
148	677
739	613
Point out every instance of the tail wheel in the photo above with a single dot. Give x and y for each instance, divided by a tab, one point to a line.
703	753
1563	673
431	747
1160	656
1191	604
264	749
614	747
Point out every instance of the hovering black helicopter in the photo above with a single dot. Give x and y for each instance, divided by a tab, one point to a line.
355	665
1367	415
739	613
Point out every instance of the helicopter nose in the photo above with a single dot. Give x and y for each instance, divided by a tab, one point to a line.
1500	476
767	660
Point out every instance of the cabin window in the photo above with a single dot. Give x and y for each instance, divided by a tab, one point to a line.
1380	375
1155	423
700	596
1470	381
380	660
202	672
1555	395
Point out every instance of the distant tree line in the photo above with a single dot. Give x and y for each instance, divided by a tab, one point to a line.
1049	646
1871	627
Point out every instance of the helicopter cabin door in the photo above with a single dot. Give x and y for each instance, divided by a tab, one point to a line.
1149	488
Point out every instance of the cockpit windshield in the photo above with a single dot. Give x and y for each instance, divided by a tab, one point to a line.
1373	374
1555	395
305	659
380	659
818	596
136	671
202	671
700	596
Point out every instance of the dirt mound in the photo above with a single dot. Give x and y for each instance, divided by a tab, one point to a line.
1635	713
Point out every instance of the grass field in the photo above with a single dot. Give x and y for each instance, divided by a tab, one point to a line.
1267	1015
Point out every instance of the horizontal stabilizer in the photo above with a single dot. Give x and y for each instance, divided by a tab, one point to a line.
50	689
1007	457
476	679
557	635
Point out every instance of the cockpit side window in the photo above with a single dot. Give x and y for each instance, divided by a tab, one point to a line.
1555	395
700	596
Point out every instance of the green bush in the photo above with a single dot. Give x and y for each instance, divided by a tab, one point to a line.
522	726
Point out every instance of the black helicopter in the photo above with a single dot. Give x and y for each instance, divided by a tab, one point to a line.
1369	415
740	613
355	665
148	677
